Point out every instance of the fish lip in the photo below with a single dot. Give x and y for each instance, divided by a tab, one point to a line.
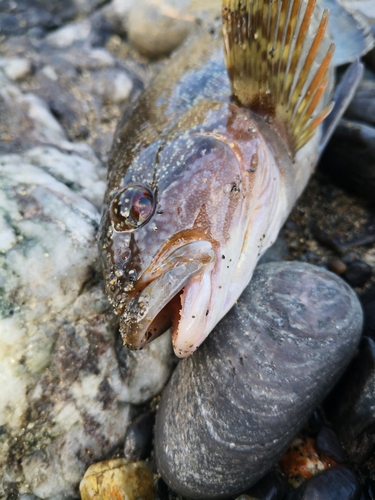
183	264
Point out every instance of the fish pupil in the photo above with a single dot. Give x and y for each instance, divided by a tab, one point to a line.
132	207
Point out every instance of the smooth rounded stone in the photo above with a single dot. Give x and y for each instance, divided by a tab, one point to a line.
353	166
338	483
157	27
273	486
138	438
231	409
118	479
351	406
337	266
328	443
357	273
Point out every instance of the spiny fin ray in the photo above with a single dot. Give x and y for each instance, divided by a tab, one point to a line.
275	65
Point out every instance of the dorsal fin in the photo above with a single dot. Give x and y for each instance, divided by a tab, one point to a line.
272	63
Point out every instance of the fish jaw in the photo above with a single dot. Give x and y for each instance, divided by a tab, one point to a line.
144	320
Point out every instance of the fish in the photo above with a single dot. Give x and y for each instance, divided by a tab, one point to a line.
209	161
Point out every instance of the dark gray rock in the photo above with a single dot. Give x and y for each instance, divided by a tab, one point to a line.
338	483
351	406
353	166
328	443
358	273
138	439
231	409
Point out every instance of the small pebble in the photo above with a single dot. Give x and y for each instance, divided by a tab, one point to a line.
118	479
157	27
121	88
138	439
357	273
368	304
16	68
273	486
303	460
337	266
328	443
338	483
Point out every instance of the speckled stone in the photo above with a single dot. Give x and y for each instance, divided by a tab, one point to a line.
117	479
231	409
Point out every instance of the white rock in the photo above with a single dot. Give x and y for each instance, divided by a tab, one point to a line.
64	395
67	35
122	87
16	68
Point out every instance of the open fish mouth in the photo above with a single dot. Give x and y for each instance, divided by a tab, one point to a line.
159	305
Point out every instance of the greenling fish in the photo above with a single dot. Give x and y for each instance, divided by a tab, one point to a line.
208	163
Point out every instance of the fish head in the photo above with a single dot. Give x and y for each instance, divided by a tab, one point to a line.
172	234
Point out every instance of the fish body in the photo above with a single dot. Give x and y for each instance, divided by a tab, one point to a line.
206	167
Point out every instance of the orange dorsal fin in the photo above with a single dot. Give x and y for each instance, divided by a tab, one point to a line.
275	63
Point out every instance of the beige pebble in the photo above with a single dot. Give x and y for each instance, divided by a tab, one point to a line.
337	266
157	27
118	479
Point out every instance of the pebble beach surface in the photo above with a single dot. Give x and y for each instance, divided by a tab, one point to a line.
71	395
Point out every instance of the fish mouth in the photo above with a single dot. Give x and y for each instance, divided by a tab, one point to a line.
159	305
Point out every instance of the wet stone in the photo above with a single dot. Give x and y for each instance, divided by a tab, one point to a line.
118	479
138	439
338	483
357	273
273	486
157	28
277	353
351	406
328	443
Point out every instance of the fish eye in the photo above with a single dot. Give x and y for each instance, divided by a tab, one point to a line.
132	207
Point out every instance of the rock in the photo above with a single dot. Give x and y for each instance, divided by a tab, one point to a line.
303	460
16	68
338	483
362	107
351	406
231	409
352	166
66	397
358	273
273	486
328	443
157	27
118	479
138	439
